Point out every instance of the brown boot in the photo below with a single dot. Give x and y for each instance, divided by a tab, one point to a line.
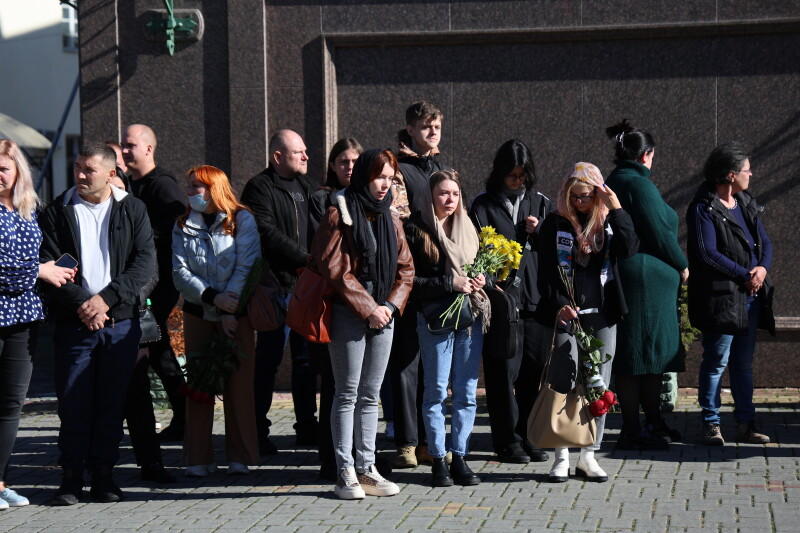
405	458
748	432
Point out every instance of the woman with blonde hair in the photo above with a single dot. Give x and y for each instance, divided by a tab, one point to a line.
581	242
20	304
214	246
443	239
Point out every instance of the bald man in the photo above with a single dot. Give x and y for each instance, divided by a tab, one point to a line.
278	197
165	201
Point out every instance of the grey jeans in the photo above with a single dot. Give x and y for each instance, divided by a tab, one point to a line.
359	358
564	362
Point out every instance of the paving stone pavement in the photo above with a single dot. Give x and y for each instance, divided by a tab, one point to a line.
734	488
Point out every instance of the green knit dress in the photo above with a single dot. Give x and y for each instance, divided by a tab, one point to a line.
648	338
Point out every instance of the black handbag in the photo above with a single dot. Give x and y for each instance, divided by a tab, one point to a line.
433	310
150	330
501	341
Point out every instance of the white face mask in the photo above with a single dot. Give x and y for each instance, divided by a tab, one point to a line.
198	203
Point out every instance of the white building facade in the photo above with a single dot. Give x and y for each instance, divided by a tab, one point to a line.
39	66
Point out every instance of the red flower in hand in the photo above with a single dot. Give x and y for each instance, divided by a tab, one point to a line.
599	407
610	398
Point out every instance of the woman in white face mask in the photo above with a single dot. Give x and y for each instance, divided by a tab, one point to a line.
214	246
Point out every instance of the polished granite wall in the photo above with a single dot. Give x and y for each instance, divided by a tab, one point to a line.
552	73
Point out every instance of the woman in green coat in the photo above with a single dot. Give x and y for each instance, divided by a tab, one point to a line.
648	340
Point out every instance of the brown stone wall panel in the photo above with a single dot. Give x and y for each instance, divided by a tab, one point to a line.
374	117
183	97
545	115
249	142
763	111
289	29
515	14
99	96
384	16
625	12
757	10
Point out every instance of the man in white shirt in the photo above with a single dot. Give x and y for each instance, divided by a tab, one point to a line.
96	318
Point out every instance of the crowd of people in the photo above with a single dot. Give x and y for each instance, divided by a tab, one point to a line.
392	234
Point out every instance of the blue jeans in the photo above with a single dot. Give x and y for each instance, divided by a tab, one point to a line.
92	373
449	358
735	352
359	357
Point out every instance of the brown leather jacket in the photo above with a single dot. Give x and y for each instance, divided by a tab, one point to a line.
334	259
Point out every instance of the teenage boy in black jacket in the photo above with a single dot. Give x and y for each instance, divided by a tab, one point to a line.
97	317
279	197
419	158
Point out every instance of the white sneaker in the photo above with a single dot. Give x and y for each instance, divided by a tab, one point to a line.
375	484
238	469
347	486
12	499
196	471
588	469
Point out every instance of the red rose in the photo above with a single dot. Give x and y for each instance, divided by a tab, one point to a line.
196	396
598	407
610	398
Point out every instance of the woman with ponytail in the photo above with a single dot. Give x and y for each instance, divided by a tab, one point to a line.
648	341
584	239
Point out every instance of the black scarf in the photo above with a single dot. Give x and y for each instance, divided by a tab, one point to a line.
378	252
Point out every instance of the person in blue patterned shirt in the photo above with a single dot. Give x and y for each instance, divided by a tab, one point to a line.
20	305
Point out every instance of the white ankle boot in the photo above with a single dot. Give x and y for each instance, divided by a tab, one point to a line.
588	468
559	473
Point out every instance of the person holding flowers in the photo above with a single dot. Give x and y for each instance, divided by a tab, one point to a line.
214	246
450	324
579	246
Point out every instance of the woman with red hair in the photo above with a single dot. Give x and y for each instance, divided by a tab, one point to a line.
214	246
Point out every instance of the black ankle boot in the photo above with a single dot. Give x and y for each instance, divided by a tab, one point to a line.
71	489
461	472
104	490
441	476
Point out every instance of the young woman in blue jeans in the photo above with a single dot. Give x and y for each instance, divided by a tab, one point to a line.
443	239
361	250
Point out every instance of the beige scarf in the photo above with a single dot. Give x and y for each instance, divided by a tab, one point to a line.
460	249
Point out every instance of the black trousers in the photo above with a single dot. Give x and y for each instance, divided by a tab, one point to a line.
405	369
269	354
513	384
162	358
139	414
321	362
16	366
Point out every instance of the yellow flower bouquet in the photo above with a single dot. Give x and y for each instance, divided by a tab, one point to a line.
496	255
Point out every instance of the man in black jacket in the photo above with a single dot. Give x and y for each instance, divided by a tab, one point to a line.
97	319
279	197
418	158
165	201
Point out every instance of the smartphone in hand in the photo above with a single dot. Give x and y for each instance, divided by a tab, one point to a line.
67	261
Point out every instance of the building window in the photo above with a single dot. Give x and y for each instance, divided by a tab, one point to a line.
69	28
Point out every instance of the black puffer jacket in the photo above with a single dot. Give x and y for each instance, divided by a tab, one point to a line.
416	171
276	216
488	209
718	303
131	251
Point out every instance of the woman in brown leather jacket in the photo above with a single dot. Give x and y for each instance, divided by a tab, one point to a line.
360	248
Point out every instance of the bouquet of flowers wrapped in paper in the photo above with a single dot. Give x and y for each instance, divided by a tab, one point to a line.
496	255
600	397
